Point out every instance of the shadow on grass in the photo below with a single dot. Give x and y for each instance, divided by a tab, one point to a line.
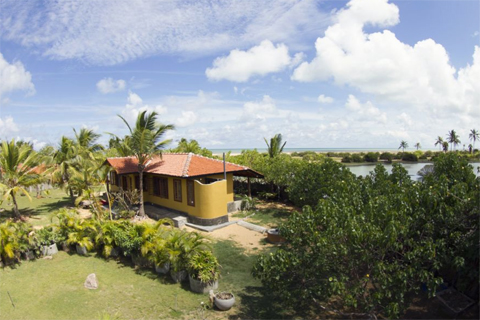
54	206
257	303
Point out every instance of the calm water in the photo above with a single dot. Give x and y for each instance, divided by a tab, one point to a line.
412	168
235	151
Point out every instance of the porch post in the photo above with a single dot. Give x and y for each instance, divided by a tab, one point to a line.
249	188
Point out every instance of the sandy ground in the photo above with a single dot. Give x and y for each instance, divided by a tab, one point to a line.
246	238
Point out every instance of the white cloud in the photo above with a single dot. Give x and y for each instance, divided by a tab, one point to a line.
113	32
135	105
258	110
7	127
240	66
367	110
324	99
380	64
188	118
14	77
405	119
108	85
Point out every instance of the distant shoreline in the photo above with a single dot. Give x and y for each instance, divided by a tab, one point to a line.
236	151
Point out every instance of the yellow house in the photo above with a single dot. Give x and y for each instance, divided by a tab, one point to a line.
184	182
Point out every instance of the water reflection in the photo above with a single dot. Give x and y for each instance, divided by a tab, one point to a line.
412	168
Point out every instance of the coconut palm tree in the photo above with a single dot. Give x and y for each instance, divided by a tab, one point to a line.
474	136
86	139
18	171
418	145
403	145
453	139
144	143
439	142
63	165
445	146
275	147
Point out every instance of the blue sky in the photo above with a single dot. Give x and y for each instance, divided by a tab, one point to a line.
325	74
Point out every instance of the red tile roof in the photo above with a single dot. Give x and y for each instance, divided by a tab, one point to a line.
180	165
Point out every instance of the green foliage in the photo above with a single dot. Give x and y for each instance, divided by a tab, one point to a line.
187	146
275	147
372	242
357	158
46	236
371	157
407	156
387	156
204	266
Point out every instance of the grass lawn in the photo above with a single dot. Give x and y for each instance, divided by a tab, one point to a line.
38	210
53	289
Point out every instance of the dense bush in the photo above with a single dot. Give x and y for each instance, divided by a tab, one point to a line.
347	159
372	242
356	157
371	157
387	156
407	156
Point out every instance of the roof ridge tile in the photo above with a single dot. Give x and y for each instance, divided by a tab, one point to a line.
187	165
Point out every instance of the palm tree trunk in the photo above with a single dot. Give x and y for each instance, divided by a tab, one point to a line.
15	206
141	212
72	197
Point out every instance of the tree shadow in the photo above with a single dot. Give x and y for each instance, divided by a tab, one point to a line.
54	206
258	303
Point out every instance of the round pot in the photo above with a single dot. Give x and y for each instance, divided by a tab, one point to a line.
273	236
163	269
202	287
178	276
224	304
49	250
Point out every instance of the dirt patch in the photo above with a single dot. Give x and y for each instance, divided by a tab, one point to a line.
248	239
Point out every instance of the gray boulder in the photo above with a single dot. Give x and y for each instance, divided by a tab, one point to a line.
91	281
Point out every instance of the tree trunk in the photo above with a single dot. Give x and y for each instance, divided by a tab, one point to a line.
141	212
15	206
72	197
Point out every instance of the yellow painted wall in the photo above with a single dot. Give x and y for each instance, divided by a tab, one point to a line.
210	199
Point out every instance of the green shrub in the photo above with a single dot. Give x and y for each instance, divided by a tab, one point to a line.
371	157
386	156
357	157
347	159
407	156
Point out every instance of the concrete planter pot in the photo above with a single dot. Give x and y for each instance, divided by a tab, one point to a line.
163	269
179	276
273	236
224	300
28	255
81	250
49	250
202	287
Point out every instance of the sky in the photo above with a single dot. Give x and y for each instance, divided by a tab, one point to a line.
324	74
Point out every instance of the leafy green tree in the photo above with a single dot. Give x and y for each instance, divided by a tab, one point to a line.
403	145
144	142
17	163
474	135
275	147
372	242
453	139
445	146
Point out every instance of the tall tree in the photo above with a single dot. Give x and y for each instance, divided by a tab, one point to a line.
17	163
87	139
474	136
453	139
275	147
193	146
63	165
418	145
403	145
145	143
439	142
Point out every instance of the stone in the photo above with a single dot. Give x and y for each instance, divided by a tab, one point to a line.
91	281
179	222
47	258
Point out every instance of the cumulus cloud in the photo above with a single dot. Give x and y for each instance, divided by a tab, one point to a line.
187	118
380	64
135	105
366	110
7	127
240	66
258	110
14	77
108	85
324	99
113	32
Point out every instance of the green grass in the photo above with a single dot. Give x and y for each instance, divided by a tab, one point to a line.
37	210
53	289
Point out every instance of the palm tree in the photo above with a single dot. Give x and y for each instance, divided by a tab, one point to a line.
474	136
439	142
144	143
417	145
403	145
86	139
17	163
63	165
445	146
453	139
274	148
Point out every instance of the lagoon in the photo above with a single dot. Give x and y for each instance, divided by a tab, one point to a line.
412	168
